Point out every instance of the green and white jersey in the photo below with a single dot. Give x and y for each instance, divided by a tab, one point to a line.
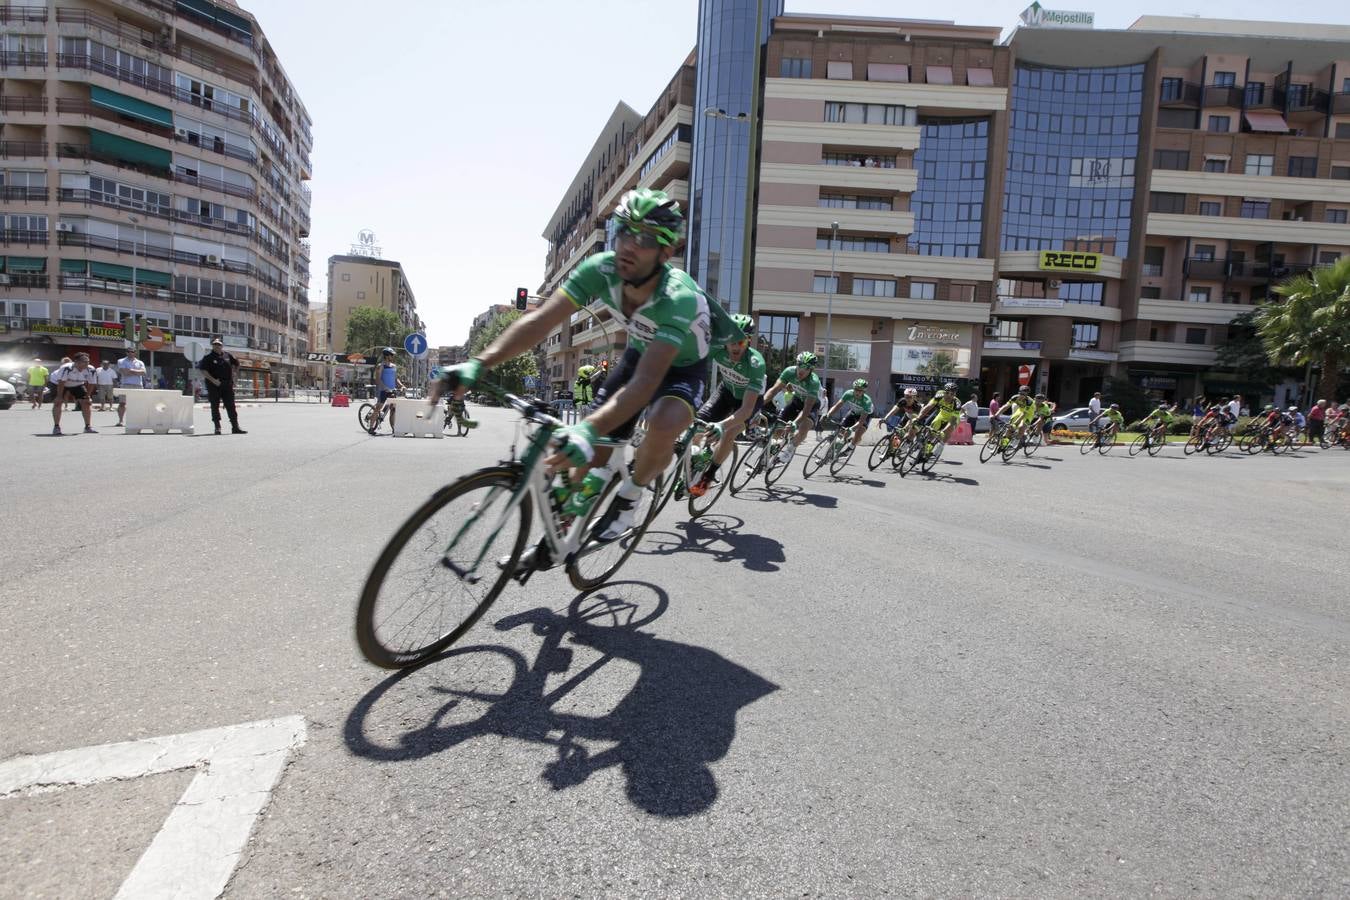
851	402
676	313
790	381
746	375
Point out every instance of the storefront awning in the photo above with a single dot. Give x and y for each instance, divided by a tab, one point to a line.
130	106
1267	121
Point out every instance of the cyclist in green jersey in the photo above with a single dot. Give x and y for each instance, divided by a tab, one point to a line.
857	408
1161	417
801	385
1107	418
1044	411
670	326
740	369
582	393
1020	409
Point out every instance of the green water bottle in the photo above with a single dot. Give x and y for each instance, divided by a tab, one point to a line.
580	502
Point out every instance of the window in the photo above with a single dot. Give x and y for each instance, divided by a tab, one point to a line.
939	74
1343	130
1010	329
839	69
1302	167
1153	261
961	292
1086	335
1345	85
849	201
346	276
1167	203
1204	251
1335	216
855	245
1255	93
1232	297
1150	293
1211	208
1327	257
825	284
777	340
873	287
1259	164
1171	159
1340	173
922	290
1255	209
794	68
855	356
1225	79
1198	295
1088	293
1298	95
869	113
1177	118
1220	123
1197	335
1171	89
1216	165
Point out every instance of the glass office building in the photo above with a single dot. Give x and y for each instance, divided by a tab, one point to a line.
949	202
731	34
1072	153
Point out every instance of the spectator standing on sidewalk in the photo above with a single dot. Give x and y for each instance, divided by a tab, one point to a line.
74	383
105	376
994	407
971	410
131	374
1317	421
37	383
1095	404
219	367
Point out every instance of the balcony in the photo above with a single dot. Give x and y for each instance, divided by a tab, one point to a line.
22	13
150	251
24	236
89	109
1206	269
1168	352
1256	271
1308	102
1186	94
22	280
1223	96
23	104
15	194
1157	310
1340	103
998	348
22	149
23	59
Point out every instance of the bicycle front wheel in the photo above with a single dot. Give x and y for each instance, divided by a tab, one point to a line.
364	414
841	456
991	446
1088	444
1194	444
1033	442
880	450
749	467
1138	444
700	505
1009	451
1156	445
821	453
1104	444
439	572
777	460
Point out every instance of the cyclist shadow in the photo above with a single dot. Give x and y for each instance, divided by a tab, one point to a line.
794	495
677	719
859	480
754	551
954	479
1024	464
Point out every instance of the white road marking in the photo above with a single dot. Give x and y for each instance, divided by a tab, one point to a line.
195	851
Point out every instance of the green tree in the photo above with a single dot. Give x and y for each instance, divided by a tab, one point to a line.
1312	325
510	374
1245	353
1134	401
369	328
939	365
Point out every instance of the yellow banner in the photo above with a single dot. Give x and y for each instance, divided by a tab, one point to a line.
1070	261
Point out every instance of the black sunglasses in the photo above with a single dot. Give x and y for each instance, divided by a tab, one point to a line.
647	240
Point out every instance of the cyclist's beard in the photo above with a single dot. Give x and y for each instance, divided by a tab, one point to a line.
639	282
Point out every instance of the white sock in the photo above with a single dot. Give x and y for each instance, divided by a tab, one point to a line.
630	489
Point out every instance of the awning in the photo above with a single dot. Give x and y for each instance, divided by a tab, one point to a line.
150	276
1267	121
26	264
897	72
980	77
130	106
839	68
100	142
75	266
219	15
939	74
110	271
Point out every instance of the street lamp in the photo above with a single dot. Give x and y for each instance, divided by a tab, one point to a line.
714	113
829	306
135	326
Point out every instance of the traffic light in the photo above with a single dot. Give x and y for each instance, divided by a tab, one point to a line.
522	298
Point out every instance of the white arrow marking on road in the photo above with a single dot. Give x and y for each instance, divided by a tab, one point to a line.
195	851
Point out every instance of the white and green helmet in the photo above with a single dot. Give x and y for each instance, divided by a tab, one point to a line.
644	209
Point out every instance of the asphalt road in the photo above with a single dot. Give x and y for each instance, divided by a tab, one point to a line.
1067	676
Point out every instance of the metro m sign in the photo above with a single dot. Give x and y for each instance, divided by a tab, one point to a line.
1067	261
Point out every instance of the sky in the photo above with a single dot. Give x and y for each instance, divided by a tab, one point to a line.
452	128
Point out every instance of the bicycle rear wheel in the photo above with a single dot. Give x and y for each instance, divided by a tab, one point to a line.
417	599
1105	445
363	415
1088	444
880	450
932	458
1009	450
1156	444
841	456
991	446
1033	442
597	561
1137	444
700	505
819	455
750	465
1194	444
774	464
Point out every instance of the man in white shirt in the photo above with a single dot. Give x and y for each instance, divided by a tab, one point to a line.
132	373
1234	409
1095	404
105	376
971	410
74	384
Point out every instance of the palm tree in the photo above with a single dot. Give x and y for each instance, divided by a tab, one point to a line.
1312	325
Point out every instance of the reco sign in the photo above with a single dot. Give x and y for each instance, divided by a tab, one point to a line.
1056	261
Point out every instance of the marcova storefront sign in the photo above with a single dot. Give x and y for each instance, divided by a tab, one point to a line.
1037	16
1070	261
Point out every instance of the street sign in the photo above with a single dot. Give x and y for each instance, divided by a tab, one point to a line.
321	357
154	339
1024	374
355	358
416	345
435	373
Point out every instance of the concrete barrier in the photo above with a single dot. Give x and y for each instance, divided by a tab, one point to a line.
158	411
416	420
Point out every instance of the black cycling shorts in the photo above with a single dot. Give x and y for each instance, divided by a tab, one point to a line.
723	405
793	409
685	383
851	419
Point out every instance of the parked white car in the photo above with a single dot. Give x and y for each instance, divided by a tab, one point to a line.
1075	419
8	395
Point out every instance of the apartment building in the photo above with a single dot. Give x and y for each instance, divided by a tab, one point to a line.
153	158
369	281
631	151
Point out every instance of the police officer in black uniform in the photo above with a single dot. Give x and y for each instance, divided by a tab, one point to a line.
219	367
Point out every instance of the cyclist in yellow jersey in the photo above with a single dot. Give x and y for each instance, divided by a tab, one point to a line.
1020	409
947	411
1044	412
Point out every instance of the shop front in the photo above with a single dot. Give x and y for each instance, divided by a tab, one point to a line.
926	355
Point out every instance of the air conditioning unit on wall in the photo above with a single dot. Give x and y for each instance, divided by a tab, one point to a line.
65	227
212	259
991	331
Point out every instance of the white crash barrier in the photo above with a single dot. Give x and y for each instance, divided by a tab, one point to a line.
416	420
158	411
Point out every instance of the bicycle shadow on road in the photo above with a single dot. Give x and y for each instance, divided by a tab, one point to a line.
944	477
860	480
677	719
791	494
754	551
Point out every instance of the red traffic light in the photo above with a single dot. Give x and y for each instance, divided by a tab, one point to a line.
522	298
